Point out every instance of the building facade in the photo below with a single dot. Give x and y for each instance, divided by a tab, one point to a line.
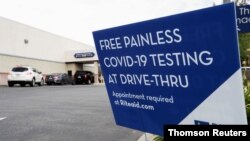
226	1
24	45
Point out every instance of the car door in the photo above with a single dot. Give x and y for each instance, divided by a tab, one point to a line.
67	79
37	75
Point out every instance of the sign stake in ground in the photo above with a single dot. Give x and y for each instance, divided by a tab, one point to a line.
181	69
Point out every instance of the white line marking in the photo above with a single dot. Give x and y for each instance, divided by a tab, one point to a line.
2	118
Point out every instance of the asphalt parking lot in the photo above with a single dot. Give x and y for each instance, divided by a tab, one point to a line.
59	113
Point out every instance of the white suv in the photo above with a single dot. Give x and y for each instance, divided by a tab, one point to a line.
25	75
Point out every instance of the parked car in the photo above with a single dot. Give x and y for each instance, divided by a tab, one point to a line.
83	77
58	78
25	75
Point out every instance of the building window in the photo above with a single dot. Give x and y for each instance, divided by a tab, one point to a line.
26	41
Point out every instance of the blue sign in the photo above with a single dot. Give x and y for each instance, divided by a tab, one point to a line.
174	70
243	18
84	55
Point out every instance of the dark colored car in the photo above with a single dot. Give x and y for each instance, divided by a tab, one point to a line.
84	77
58	78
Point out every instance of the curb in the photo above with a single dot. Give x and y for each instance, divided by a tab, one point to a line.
99	84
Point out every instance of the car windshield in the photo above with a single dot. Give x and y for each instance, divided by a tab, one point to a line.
56	74
80	72
19	69
83	72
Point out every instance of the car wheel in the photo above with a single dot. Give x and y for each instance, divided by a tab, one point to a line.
22	84
41	83
88	81
10	84
33	82
61	83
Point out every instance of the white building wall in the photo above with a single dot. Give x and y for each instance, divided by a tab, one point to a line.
41	44
44	51
46	67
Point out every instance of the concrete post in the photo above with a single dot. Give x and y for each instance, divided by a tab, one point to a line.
96	81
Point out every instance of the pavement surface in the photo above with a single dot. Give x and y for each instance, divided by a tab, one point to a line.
59	113
147	137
